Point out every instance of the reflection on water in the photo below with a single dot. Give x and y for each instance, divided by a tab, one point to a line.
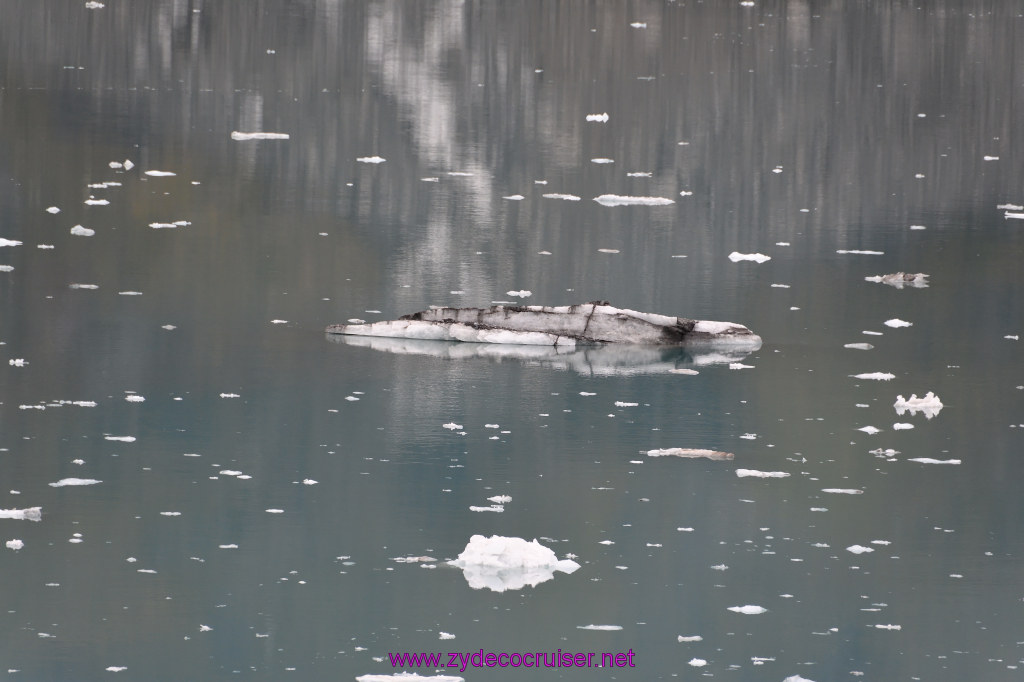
606	360
250	526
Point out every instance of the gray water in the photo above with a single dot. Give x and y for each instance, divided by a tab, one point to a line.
796	130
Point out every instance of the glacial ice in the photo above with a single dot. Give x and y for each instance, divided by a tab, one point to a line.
74	481
598	118
564	197
599	627
929	460
744	473
896	323
876	376
618	200
736	257
159	173
80	231
235	135
929	405
861	252
749	609
501	563
27	514
370	159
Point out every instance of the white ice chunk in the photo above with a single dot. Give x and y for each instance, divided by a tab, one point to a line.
564	197
1014	215
491	508
14	544
508	563
123	439
116	668
859	549
749	609
736	257
514	197
500	499
876	376
697	662
230	395
522	293
858	346
602	160
309	481
53	209
929	460
896	322
739	365
371	159
96	202
92	4
842	491
445	635
129	293
17	362
870	430
796	678
76	285
235	135
619	200
27	514
74	481
452	426
1011	207
861	252
690	453
619	403
902	427
134	398
608	251
744	473
159	173
598	118
689	638
929	405
889	627
598	627
639	24
409	677
80	231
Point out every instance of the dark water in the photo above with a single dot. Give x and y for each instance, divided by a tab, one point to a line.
801	129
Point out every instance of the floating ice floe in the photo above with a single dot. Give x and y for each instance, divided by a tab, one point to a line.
27	514
53	209
796	678
135	398
599	627
697	662
17	362
598	118
736	257
92	4
1011	207
843	491
508	563
125	165
445	635
889	627
608	251
1014	215
116	668
490	508
929	405
690	453
371	159
916	280
861	252
500	499
929	460
230	395
744	473
896	323
409	677
589	323
870	430
618	200
522	293
514	197
77	285
169	226
749	609
563	197
602	160
159	173
74	481
80	231
858	346
91	201
123	439
689	638
452	426
859	549
235	135
739	365
902	427
875	376
129	293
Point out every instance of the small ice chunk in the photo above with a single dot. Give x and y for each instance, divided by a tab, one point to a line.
92	4
123	439
514	197
309	481
491	508
116	668
17	362
134	398
780	286
564	197
76	285
274	511
749	609
889	627
53	209
608	251
235	135
689	638
231	546
1010	207
639	24
870	430
697	662
739	365
522	293
508	563
902	427
452	426
929	460
371	159
736	257
917	280
875	376
1016	216
858	346
445	635
602	160
619	403
842	491
598	118
27	514
929	405
279	322
500	499
230	395
859	549
599	627
896	322
990	158
14	544
744	473
170	513
159	173
91	201
129	293
692	453
79	231
619	200
861	252
74	481
796	678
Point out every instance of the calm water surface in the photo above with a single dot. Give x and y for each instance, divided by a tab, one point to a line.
249	526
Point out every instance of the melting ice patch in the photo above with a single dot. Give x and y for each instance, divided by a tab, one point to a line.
598	118
859	549
842	491
123	439
749	609
861	252
564	197
371	159
929	460
74	481
896	323
875	376
508	563
619	200
736	257
598	627
744	473
235	135
27	514
159	173
80	231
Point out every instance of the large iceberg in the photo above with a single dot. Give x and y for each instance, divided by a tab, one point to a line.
596	322
501	563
